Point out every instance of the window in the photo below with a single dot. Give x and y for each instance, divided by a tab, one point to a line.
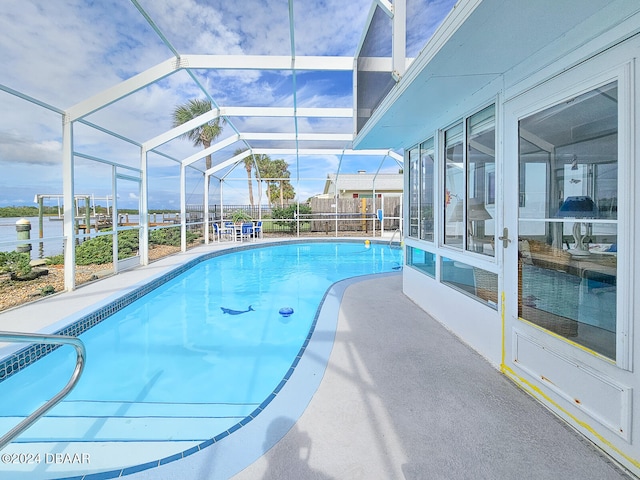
414	192
473	281
567	219
427	166
470	184
454	187
421	191
481	188
422	260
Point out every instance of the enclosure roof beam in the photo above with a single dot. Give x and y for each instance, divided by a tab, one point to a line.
292	151
208	151
300	136
217	62
233	160
396	156
155	27
320	151
267	62
30	99
109	132
181	129
165	156
122	89
243	112
286	112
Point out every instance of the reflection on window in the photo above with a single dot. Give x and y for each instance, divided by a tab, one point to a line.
414	192
476	282
427	165
470	183
423	261
481	181
567	219
454	187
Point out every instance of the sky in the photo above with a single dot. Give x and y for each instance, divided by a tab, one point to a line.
63	52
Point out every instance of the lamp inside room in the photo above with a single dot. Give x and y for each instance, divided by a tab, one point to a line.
578	207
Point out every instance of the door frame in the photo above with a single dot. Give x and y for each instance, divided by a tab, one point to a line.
591	392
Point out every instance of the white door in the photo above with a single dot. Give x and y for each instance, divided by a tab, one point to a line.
567	309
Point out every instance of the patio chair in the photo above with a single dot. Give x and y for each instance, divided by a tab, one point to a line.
246	231
257	230
233	231
219	232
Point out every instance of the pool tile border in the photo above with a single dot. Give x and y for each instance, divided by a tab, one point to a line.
26	356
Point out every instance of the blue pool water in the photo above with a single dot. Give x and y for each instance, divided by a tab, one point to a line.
174	366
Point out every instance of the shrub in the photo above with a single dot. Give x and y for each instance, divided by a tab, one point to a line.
47	290
240	216
169	236
289	214
55	260
15	263
99	250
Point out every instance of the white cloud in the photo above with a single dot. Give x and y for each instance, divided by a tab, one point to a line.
15	147
65	51
193	27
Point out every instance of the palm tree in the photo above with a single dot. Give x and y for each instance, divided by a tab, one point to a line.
248	166
281	170
204	134
264	168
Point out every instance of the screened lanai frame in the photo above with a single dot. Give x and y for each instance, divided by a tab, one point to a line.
338	143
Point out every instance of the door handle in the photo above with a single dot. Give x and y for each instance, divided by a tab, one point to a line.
505	237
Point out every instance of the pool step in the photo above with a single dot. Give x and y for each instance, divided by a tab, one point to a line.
79	408
81	421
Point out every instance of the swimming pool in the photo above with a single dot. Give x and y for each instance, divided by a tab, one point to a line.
175	367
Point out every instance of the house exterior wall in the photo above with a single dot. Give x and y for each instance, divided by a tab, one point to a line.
595	392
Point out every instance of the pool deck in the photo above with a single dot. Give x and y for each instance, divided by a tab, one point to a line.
403	398
391	395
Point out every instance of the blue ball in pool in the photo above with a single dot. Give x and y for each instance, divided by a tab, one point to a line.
286	311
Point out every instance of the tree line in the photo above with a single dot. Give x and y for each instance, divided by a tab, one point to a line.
25	211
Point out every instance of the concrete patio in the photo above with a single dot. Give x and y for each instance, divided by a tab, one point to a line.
402	398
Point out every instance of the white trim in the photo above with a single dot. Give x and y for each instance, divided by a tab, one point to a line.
207	151
286	112
325	151
266	62
327	137
122	89
181	129
68	186
233	160
399	39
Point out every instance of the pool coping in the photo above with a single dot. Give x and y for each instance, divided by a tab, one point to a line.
326	314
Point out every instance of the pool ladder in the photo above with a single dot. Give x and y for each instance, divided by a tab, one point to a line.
53	401
397	230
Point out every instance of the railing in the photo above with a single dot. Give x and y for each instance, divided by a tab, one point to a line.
52	402
394	236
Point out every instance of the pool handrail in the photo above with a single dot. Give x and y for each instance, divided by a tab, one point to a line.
394	235
39	338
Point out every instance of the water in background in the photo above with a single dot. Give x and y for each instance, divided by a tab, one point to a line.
51	227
